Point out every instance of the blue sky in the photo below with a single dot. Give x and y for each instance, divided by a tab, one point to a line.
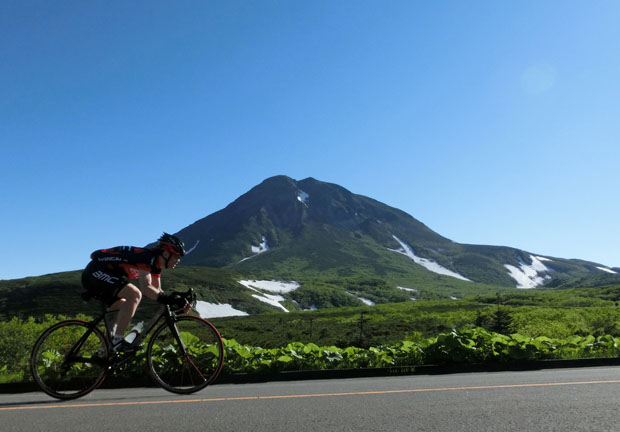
490	122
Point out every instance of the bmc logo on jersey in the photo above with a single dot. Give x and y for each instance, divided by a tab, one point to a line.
105	277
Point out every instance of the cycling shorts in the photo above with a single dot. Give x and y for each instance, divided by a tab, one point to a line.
103	284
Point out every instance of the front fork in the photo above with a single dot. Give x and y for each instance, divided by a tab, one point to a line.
175	332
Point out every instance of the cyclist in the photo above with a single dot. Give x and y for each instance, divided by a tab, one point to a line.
107	278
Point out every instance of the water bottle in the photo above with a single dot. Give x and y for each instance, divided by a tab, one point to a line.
135	331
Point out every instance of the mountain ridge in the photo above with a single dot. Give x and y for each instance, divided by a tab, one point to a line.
280	211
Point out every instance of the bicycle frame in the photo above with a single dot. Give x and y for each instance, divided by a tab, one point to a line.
168	315
71	357
163	312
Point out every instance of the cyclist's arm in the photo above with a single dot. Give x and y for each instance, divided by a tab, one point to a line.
149	285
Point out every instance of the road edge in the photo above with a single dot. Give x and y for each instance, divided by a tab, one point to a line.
145	381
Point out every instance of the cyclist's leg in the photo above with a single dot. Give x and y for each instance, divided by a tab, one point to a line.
106	287
128	300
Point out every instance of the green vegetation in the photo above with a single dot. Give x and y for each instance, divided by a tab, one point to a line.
327	259
475	345
330	287
466	346
522	326
17	337
60	292
555	314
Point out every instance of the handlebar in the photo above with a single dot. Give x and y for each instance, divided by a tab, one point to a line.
189	296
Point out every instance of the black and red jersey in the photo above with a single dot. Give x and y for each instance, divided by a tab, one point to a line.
128	260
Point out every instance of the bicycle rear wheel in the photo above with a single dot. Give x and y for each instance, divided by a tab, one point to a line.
67	360
187	357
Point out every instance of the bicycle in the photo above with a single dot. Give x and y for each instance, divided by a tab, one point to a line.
72	358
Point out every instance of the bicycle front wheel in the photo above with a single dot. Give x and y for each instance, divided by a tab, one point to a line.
67	360
185	356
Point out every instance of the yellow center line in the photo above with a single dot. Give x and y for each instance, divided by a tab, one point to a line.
312	395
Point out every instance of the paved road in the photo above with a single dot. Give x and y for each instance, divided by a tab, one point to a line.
583	399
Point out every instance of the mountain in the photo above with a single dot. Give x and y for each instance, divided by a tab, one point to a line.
290	245
288	228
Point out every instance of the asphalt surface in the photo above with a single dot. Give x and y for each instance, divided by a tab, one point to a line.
570	399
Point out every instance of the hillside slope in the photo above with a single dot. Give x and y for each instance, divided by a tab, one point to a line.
283	226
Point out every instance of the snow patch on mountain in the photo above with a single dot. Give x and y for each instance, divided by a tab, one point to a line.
366	301
271	299
262	247
260	286
271	285
192	248
217	310
303	197
413	291
605	269
540	258
529	275
424	262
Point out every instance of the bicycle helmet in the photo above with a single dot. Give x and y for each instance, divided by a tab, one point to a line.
172	244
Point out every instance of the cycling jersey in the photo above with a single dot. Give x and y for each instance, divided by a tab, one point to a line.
110	270
127	259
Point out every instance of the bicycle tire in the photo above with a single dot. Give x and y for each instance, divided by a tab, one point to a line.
62	363
189	368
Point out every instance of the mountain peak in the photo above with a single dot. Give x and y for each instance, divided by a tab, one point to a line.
283	224
278	179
